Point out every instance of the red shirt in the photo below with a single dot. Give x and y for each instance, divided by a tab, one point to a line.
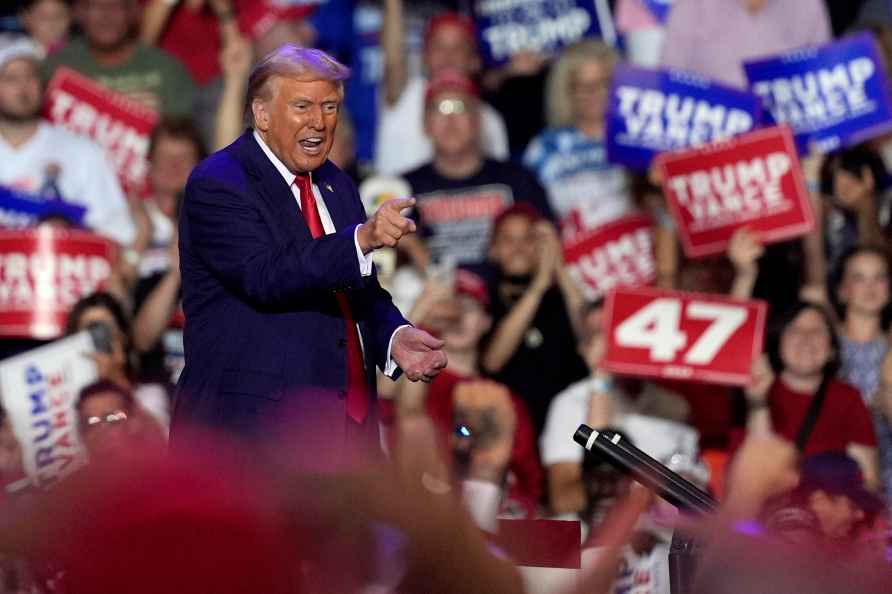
524	465
843	419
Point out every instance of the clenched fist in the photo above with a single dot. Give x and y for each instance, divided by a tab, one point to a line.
386	226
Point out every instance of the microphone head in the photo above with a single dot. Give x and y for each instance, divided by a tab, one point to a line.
582	435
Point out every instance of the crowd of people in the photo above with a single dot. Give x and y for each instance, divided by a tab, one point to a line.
506	164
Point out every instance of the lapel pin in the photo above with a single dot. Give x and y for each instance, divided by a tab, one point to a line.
328	187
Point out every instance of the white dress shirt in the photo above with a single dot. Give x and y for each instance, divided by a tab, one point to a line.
364	260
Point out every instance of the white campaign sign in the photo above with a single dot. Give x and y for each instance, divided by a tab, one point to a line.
39	391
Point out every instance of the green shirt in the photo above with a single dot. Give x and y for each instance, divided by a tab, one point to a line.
151	76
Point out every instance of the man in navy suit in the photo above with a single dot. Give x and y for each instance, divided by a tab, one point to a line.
284	314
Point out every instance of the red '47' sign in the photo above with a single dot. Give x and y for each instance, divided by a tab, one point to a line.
751	181
689	336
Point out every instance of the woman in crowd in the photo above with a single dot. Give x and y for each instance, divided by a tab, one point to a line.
532	345
855	209
570	157
861	295
795	393
105	318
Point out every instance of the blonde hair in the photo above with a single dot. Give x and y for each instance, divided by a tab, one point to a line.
291	60
558	106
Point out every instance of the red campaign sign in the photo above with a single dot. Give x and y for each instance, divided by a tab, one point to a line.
687	336
43	273
619	254
117	123
753	180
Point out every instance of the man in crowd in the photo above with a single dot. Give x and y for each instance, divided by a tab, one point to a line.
450	43
495	442
602	400
286	319
111	53
41	159
715	37
460	191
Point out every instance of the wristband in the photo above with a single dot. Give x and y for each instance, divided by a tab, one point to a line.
600	385
753	405
225	15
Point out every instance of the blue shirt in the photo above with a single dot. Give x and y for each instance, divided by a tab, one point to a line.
584	189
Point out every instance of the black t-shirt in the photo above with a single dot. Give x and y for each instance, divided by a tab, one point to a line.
523	119
546	361
455	216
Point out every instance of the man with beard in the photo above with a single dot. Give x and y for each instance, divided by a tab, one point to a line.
46	161
111	54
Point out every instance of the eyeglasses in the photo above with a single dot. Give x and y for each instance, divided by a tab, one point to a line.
112	418
589	87
450	107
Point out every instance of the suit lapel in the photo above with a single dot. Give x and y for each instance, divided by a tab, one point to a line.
335	202
272	189
278	196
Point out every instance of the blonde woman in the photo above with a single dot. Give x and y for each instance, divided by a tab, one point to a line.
569	156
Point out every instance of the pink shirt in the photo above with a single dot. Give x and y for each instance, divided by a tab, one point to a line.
633	15
715	37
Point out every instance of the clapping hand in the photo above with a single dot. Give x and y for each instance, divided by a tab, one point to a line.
418	354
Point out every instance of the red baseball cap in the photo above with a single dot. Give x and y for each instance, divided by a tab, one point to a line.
451	19
450	80
257	18
471	284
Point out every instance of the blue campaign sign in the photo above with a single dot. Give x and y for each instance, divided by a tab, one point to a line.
19	210
507	27
833	95
652	111
659	8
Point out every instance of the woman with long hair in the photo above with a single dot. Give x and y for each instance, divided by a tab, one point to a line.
794	390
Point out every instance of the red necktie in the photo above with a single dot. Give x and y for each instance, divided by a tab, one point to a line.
357	389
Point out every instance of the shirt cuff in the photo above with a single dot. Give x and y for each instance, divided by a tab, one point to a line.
365	260
391	366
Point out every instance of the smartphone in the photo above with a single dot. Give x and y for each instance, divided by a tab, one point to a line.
101	333
443	272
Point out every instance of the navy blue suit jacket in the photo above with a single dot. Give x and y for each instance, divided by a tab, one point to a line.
264	333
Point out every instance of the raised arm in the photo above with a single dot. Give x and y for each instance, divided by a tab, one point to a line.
758	416
235	61
744	251
510	330
396	68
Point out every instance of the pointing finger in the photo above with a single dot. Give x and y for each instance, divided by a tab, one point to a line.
398	204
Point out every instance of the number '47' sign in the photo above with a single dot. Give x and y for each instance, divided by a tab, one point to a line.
688	336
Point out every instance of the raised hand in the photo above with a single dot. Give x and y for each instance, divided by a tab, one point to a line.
550	258
236	58
387	226
486	408
418	354
761	380
744	249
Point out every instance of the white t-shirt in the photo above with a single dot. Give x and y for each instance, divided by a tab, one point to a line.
402	145
84	177
636	574
659	438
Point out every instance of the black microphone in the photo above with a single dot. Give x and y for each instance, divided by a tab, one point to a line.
649	472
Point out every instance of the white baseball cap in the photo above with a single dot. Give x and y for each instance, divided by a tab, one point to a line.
14	46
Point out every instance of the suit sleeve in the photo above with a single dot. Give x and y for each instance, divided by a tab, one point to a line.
228	234
377	306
